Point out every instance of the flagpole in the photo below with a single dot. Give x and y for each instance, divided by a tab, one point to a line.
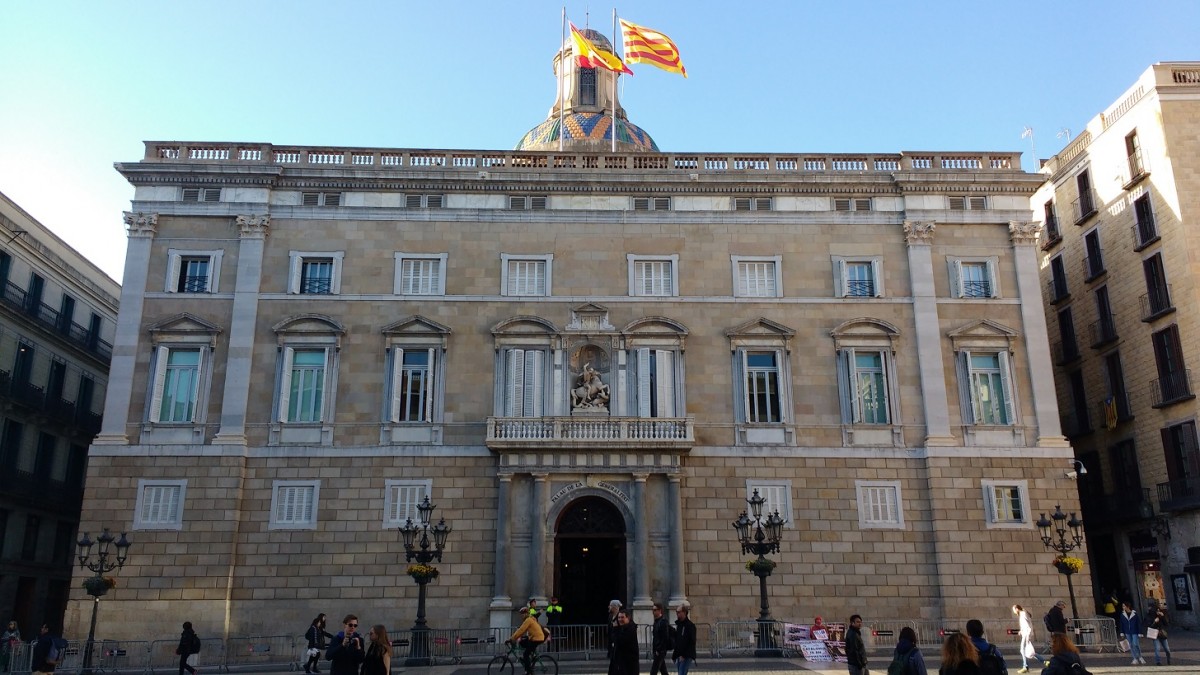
614	85
562	68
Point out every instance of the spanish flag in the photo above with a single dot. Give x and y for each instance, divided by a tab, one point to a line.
645	45
591	56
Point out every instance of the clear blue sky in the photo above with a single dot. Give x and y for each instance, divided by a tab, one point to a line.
82	84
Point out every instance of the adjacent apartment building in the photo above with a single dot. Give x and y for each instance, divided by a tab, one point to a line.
57	317
588	360
1119	276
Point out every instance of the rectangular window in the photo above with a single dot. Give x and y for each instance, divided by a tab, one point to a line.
967	203
756	277
316	276
159	505
1146	230
1157	300
176	384
1183	460
523	203
777	496
1085	204
1058	280
653	275
193	271
29	543
1053	233
66	315
400	501
879	504
988	399
1068	350
525	276
1093	263
1133	150
867	386
851	203
973	278
1080	421
294	505
321	199
861	278
201	194
752	204
1006	503
1116	389
1172	383
524	379
651	203
315	273
655	376
423	201
1104	331
420	274
303	386
762	397
412	385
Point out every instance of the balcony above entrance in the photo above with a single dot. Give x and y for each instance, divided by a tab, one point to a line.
607	433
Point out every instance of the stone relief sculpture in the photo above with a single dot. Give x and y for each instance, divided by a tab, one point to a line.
590	391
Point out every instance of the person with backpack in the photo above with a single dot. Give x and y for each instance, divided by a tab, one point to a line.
47	652
661	641
1131	628
959	656
189	646
856	652
1064	657
1055	619
1159	623
906	657
991	662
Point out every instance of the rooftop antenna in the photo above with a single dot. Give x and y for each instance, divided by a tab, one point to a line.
1027	132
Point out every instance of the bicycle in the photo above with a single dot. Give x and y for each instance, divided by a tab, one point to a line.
507	664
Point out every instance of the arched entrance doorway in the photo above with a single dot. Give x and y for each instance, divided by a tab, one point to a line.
589	559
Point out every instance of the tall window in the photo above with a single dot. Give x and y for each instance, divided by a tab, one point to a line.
1094	262
304	392
177	400
1052	230
858	278
989	395
587	86
1058	280
315	273
654	372
526	275
762	396
653	275
974	278
1183	459
869	386
412	395
418	274
1085	204
1116	388
1145	229
524	390
1133	149
756	277
193	271
1172	384
1158	294
1069	346
176	385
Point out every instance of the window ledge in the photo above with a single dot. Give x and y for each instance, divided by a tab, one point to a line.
1149	318
1085	217
1171	402
1134	180
1147	243
872	435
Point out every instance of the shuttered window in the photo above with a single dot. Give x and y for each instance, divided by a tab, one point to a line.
401	498
524	382
159	505
879	504
294	504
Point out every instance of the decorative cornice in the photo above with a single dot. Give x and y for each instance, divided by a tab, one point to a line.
1024	233
919	233
254	226
141	224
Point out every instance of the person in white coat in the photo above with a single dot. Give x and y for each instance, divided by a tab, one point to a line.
1028	651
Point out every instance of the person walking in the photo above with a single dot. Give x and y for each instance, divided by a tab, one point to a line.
614	608
529	636
684	654
909	654
46	652
959	656
1131	628
1056	621
189	645
660	640
346	652
856	651
316	636
1064	656
624	659
1025	628
1159	623
8	645
378	659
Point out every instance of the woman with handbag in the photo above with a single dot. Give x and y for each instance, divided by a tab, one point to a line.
316	637
1159	626
1028	651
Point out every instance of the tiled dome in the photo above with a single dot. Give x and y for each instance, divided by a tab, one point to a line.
584	128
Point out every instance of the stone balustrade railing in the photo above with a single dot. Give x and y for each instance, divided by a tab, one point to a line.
474	160
591	432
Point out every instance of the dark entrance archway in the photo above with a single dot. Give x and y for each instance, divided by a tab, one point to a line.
589	560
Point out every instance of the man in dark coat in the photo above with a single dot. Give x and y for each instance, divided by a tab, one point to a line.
625	647
685	639
856	652
661	640
346	653
1056	621
42	663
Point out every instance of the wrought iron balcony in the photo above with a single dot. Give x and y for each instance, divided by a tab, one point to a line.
1145	232
1103	331
1171	388
856	288
19	300
1094	264
1138	166
601	433
316	286
1156	303
1058	290
1084	206
1066	352
1116	508
1179	495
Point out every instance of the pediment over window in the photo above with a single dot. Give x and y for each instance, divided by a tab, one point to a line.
761	331
524	325
983	332
308	324
184	324
589	317
864	331
415	325
655	325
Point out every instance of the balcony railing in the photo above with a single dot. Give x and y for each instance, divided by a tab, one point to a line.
1103	331
35	399
316	286
1116	508
1084	206
1093	262
979	288
1066	352
1145	232
584	432
1171	388
1138	166
1179	495
193	283
1058	290
856	288
1156	303
17	299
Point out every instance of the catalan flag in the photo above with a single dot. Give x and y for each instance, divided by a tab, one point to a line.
646	45
591	56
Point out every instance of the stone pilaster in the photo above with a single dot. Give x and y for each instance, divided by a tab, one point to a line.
675	502
253	230
537	545
142	228
1024	238
501	607
919	236
641	546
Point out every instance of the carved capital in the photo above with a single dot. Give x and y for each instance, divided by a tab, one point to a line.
919	232
141	224
1024	234
254	226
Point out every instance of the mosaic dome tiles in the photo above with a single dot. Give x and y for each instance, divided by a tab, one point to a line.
587	128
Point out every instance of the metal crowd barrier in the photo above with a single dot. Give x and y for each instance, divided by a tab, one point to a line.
1099	633
735	638
121	656
247	653
881	636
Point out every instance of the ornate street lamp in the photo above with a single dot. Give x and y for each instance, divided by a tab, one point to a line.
760	537
418	549
1063	544
98	584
